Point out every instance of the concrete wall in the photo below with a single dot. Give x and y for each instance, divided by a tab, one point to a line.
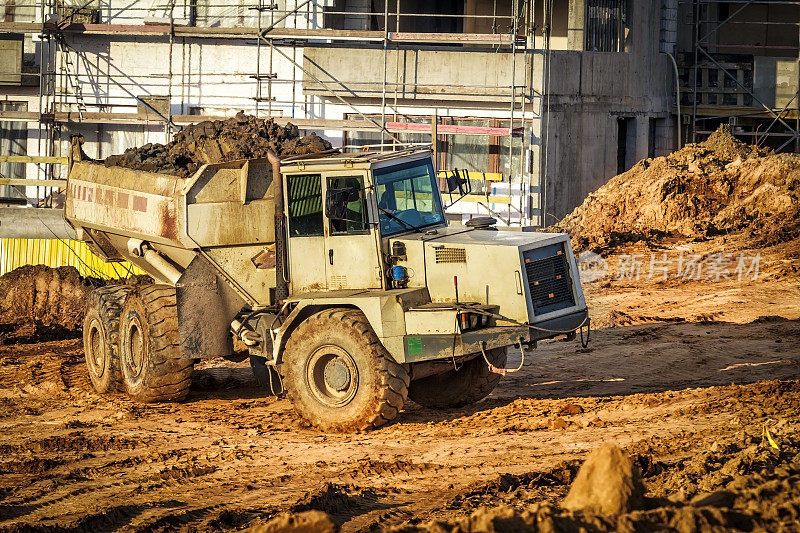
460	75
590	93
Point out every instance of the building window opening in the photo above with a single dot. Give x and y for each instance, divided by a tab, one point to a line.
606	26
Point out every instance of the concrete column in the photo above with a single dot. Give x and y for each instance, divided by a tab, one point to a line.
30	223
610	160
642	138
576	22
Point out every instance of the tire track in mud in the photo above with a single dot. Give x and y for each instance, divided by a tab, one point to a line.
369	468
64	481
75	442
107	519
163	480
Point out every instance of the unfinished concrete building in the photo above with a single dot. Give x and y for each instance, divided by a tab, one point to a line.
541	101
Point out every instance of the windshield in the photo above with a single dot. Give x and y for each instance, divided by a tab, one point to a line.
408	198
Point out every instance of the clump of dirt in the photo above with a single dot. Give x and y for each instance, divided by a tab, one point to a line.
239	137
607	483
340	502
719	186
44	297
302	522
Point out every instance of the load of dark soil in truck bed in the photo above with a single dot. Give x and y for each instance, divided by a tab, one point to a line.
720	186
239	137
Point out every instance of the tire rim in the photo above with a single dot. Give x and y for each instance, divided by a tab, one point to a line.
332	375
134	353
95	350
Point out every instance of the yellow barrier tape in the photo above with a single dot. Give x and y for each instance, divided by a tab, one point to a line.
487	176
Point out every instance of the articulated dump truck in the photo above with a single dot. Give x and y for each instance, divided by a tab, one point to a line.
338	272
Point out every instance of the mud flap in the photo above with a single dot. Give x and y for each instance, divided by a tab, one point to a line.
206	307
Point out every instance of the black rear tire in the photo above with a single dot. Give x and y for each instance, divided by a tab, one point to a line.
151	367
101	336
472	382
339	376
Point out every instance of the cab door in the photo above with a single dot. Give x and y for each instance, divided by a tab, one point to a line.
351	243
306	242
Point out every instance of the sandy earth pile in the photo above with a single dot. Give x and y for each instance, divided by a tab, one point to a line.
719	186
44	303
239	137
43	296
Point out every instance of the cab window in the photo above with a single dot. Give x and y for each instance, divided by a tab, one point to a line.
305	205
355	213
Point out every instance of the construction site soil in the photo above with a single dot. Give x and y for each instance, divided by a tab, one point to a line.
693	373
239	137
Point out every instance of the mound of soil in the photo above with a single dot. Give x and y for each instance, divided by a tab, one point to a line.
718	186
239	137
43	296
338	502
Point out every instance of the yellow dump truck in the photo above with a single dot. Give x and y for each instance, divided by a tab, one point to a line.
338	272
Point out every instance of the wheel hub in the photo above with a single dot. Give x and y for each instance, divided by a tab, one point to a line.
332	375
337	375
95	350
134	356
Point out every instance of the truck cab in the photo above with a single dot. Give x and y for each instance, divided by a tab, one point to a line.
342	211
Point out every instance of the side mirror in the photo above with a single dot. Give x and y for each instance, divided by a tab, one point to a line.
336	201
456	183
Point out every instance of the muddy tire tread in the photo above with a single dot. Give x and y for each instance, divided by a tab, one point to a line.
108	301
393	377
170	376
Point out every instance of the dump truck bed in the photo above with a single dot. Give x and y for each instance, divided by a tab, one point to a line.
225	212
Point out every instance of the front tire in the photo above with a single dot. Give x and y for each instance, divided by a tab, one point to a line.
101	336
472	382
339	376
151	367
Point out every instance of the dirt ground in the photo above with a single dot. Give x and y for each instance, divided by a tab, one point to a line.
680	374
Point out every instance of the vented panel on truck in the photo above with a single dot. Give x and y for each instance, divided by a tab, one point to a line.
549	280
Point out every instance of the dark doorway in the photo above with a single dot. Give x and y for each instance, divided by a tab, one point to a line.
622	142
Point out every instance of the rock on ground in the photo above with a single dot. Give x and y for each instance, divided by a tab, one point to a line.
608	484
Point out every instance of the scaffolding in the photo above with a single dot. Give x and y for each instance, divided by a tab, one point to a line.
720	83
281	33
